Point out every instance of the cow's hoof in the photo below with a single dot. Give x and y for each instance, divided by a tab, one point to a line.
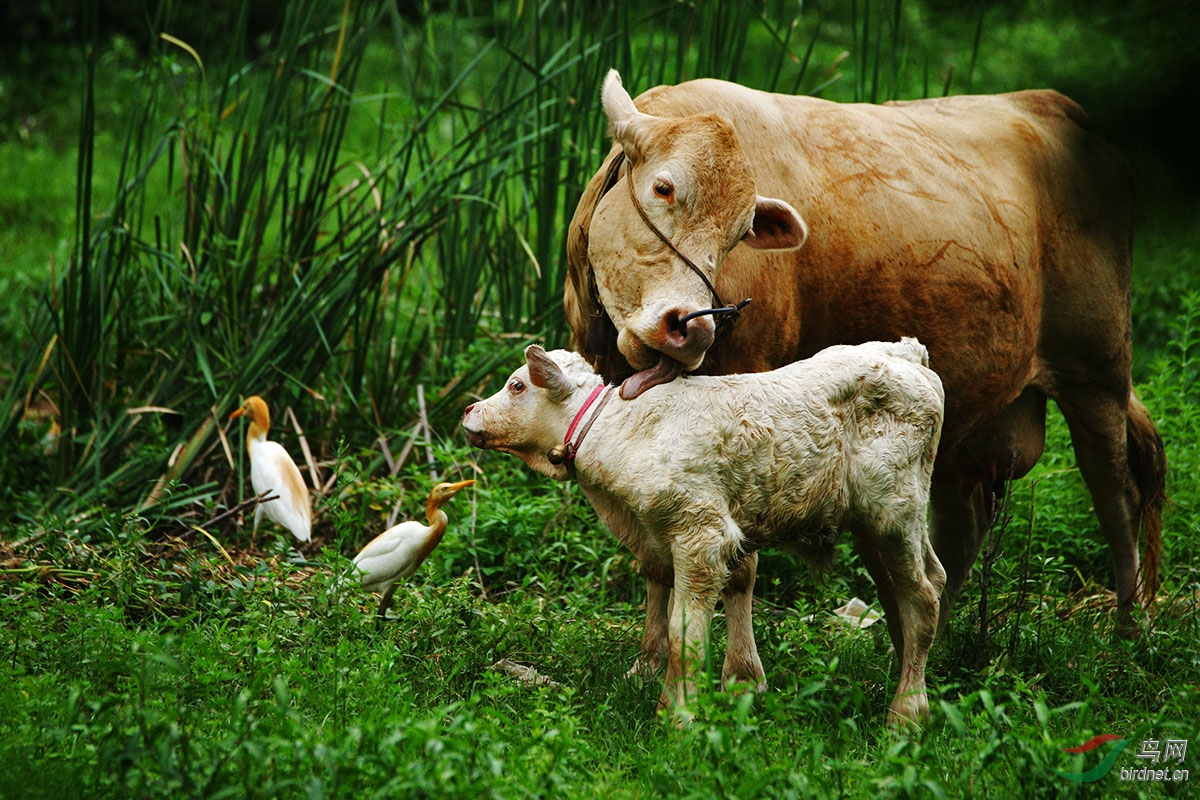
907	717
645	669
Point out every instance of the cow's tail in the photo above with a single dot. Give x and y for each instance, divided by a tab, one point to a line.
911	349
1148	463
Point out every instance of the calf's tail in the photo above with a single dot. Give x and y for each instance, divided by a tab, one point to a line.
1148	463
910	349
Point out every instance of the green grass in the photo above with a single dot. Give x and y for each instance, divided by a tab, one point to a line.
138	664
140	656
146	667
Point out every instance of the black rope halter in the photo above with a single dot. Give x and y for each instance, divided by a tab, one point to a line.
726	314
601	328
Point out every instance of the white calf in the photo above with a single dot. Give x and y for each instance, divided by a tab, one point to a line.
696	473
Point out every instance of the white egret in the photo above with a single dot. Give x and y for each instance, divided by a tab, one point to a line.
399	551
273	471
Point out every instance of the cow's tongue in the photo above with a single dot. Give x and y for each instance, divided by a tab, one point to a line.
664	371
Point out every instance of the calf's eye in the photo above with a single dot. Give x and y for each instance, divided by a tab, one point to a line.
515	386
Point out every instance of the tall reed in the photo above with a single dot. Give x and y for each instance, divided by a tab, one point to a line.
255	244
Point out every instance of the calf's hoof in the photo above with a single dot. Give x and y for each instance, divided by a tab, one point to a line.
743	680
737	685
673	712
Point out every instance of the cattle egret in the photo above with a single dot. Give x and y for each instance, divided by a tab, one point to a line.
399	551
273	471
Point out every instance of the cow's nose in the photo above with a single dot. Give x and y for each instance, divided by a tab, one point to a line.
686	340
467	410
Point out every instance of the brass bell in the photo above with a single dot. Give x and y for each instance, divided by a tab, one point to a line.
557	454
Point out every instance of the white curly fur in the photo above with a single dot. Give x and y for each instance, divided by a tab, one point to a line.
696	473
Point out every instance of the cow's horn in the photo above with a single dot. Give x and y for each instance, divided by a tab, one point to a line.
618	105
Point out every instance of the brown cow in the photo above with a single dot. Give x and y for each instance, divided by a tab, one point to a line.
997	229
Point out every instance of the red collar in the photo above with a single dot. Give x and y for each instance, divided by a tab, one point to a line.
565	453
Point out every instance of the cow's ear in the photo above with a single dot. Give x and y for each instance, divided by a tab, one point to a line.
547	375
776	226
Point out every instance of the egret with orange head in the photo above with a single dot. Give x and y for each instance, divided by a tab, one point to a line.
273	471
399	551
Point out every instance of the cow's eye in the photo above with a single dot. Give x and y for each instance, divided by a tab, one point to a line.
665	190
515	386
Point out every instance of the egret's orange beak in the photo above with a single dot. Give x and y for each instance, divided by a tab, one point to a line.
442	494
238	413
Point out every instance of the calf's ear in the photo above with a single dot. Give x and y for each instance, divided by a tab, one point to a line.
776	226
545	374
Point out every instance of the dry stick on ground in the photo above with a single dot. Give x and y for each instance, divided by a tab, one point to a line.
387	453
396	465
407	449
483	592
224	443
50	571
1023	586
189	450
997	526
249	502
333	478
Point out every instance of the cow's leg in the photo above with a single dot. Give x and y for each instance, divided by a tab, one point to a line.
653	652
742	664
969	482
1098	422
961	510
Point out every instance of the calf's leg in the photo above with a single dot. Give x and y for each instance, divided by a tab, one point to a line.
691	619
918	584
886	591
910	580
700	576
653	652
742	664
909	591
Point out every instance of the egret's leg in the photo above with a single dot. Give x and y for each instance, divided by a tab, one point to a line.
386	601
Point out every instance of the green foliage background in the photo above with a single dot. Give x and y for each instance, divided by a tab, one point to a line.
337	205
